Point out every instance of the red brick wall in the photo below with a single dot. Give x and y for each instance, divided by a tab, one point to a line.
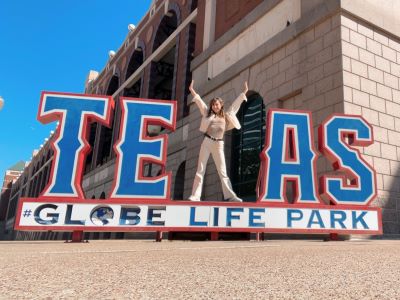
229	12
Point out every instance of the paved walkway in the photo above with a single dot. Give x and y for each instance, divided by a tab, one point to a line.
200	270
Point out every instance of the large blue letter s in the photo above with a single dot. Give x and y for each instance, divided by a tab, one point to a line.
361	188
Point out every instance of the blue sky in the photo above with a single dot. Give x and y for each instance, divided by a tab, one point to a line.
52	45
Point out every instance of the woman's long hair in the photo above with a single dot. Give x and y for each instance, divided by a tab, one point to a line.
221	112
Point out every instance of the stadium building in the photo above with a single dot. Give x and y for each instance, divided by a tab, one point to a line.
324	56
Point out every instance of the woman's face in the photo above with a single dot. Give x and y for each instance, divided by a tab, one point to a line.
216	106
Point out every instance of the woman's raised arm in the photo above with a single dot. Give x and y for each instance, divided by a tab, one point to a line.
191	89
246	88
197	99
234	108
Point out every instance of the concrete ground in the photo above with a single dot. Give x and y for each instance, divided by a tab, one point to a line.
127	269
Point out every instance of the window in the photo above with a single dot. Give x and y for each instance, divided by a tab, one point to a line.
247	143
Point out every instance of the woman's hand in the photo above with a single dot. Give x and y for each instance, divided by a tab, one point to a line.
191	89
246	88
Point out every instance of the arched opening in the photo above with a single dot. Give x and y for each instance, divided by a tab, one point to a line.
135	90
163	71
42	182
162	75
46	177
189	50
193	5
167	26
247	143
31	185
42	161
179	182
35	169
49	154
134	63
113	85
103	195
90	138
38	184
105	140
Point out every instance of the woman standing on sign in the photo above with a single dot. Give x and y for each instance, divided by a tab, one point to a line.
215	121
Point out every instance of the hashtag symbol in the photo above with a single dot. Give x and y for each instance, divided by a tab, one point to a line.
27	212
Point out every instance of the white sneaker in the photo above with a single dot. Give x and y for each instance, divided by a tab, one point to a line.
193	198
235	199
